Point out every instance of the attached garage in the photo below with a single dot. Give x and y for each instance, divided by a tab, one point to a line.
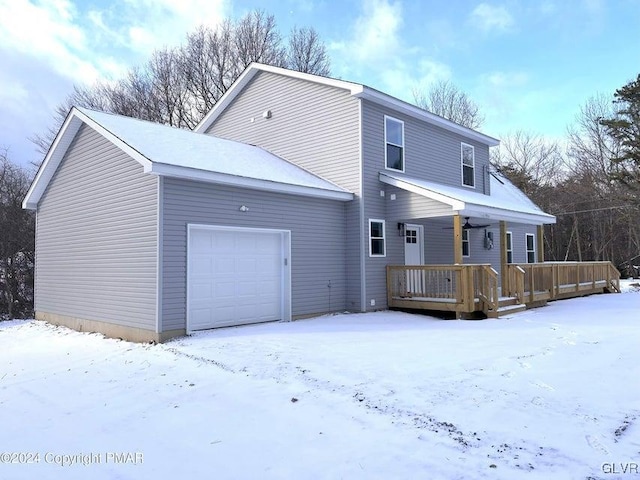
237	276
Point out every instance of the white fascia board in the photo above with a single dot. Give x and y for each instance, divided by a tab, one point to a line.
250	72
454	203
117	141
245	182
421	114
493	213
467	209
59	148
51	161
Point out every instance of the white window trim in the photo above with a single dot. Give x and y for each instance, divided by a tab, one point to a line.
384	238
404	158
473	166
509	245
468	242
526	246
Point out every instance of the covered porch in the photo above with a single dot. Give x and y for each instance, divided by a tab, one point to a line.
500	277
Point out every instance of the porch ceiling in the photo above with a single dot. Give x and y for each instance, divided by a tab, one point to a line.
506	201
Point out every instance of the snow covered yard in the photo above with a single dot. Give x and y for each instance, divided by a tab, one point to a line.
548	393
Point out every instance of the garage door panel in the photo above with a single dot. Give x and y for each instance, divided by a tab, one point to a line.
202	291
246	266
201	265
201	241
223	265
235	277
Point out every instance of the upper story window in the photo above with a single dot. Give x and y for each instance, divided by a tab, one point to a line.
531	248
394	143
376	238
509	247
467	154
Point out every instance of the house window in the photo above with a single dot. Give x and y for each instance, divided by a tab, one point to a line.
509	247
467	154
465	243
531	248
376	238
394	143
411	236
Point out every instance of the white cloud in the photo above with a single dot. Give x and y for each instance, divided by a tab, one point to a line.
491	18
84	45
375	53
47	32
375	33
507	79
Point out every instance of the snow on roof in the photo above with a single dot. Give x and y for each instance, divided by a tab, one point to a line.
177	147
506	201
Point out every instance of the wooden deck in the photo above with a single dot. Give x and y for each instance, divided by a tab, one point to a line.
474	289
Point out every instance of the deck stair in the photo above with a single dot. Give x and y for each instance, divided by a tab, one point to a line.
506	306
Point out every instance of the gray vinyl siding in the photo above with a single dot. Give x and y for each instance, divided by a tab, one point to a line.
518	235
312	125
430	153
409	206
96	237
318	234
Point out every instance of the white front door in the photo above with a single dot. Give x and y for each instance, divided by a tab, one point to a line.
413	245
414	255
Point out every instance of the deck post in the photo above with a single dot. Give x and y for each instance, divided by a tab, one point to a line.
540	245
504	274
457	239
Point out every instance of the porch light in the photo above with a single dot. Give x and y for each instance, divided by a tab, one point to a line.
401	230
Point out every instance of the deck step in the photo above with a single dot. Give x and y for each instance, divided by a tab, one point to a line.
506	301
507	309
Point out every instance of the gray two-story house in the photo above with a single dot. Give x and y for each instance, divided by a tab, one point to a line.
297	195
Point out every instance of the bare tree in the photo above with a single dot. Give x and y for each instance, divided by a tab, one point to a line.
598	212
530	161
256	39
307	53
17	228
179	86
448	101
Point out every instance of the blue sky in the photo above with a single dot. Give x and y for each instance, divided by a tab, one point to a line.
528	64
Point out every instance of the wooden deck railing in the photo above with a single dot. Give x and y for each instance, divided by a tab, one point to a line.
466	289
533	282
459	288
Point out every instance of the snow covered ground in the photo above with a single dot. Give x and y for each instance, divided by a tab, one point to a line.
551	393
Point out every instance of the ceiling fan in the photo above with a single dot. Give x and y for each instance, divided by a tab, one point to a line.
466	225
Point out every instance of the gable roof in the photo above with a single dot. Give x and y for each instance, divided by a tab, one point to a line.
355	89
175	152
506	201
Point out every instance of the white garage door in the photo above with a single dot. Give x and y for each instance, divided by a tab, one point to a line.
235	276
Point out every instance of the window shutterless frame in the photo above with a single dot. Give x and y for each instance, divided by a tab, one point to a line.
377	239
393	144
466	245
509	247
531	247
468	165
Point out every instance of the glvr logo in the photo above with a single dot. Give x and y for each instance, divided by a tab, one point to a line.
620	467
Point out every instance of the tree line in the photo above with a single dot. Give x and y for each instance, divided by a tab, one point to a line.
591	182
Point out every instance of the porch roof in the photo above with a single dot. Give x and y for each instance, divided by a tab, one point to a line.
506	201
